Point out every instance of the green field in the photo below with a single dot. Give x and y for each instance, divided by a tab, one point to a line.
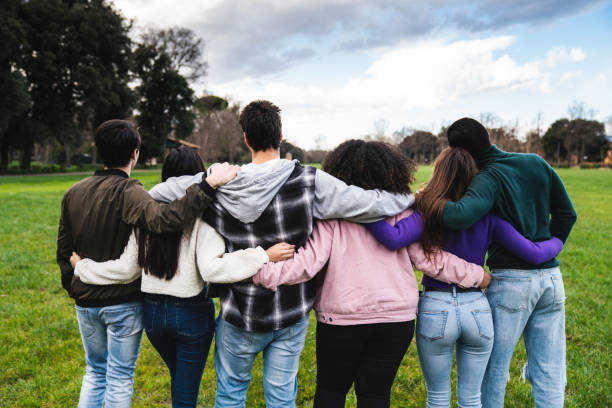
41	356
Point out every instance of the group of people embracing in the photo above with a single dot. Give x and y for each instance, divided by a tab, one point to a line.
274	239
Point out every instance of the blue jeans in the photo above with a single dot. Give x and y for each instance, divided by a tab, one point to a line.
531	303
235	352
181	331
449	320
111	337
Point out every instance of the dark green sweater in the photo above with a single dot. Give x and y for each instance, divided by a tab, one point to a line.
524	190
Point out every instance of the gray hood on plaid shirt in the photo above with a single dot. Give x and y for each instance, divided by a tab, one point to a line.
248	195
245	197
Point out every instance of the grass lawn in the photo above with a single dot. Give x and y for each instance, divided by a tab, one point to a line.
41	356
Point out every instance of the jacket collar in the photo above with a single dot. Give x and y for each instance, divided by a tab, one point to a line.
111	172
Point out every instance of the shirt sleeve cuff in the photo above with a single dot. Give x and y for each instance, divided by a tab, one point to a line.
207	189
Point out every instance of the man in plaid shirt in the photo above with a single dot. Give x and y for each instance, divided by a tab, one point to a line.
272	200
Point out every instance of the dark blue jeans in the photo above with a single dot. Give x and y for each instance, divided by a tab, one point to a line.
181	331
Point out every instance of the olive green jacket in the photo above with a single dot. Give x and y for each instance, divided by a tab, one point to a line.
98	215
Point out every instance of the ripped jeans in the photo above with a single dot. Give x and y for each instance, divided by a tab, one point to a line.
531	303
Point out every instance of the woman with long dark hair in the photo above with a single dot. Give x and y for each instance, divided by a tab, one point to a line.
450	316
367	301
179	317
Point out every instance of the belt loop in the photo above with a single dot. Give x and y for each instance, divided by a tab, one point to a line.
424	289
454	291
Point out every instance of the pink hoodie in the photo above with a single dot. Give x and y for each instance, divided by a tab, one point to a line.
365	282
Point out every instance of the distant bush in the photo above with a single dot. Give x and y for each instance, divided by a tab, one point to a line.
588	165
562	165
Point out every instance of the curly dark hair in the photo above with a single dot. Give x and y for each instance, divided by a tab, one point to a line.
371	165
261	123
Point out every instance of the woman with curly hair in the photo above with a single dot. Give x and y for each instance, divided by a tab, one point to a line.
450	316
367	301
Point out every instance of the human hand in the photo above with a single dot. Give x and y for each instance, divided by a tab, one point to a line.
486	280
74	259
280	252
220	174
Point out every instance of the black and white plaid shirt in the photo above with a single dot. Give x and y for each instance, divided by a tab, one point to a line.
288	218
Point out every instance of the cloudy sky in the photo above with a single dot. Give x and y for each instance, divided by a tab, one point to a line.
337	67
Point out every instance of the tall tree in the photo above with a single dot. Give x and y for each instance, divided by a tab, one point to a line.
165	62
583	139
421	146
15	100
165	101
76	64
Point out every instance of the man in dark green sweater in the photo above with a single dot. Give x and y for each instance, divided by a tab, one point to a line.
525	299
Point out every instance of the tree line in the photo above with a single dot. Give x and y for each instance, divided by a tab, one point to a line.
567	141
68	65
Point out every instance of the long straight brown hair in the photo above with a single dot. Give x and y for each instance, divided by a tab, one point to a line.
453	172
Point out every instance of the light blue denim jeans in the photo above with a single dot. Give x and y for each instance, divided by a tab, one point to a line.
111	337
449	320
531	303
235	352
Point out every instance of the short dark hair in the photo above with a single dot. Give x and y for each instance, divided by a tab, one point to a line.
470	135
261	123
116	140
182	161
371	165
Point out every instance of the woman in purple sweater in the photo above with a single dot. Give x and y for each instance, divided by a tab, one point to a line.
448	315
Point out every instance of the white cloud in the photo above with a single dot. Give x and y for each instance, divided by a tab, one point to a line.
561	54
567	76
426	75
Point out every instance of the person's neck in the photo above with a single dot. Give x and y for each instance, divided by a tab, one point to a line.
127	169
263	156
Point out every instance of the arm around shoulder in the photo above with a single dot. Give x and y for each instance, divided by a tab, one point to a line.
475	204
336	199
446	267
217	266
123	270
141	210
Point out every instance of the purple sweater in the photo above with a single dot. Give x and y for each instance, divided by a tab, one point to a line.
471	244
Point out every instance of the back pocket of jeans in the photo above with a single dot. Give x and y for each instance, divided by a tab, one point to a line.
512	293
484	321
557	281
431	325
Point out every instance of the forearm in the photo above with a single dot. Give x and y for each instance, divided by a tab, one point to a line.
124	269
446	267
562	213
306	262
105	273
404	233
141	210
234	266
336	199
475	204
533	252
290	272
66	272
64	250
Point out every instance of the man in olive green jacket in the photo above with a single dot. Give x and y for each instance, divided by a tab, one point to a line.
98	215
